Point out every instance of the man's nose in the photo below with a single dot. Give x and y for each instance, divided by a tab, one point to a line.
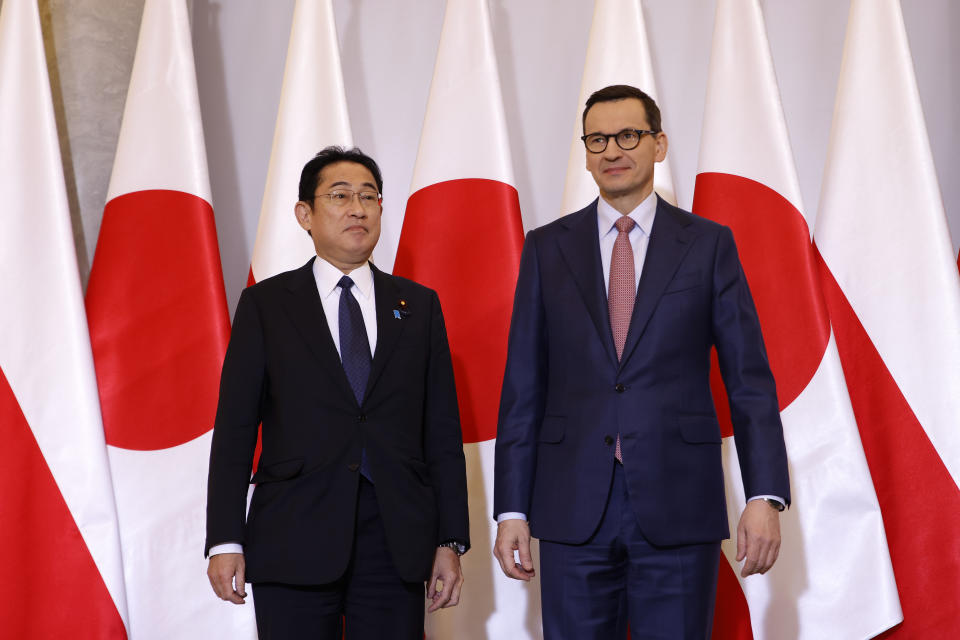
613	150
354	208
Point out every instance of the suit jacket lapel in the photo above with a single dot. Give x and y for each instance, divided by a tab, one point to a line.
306	312
389	328
669	243
580	247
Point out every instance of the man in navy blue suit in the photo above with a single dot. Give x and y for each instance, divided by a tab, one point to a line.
608	446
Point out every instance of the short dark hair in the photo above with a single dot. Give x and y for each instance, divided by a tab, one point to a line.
330	155
622	92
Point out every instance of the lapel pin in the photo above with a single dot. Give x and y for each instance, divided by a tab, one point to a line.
401	311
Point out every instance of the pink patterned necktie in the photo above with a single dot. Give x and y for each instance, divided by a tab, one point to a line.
622	292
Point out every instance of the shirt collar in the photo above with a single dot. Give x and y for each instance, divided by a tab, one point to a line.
642	214
327	277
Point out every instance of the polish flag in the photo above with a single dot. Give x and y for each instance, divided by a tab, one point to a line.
462	236
833	577
618	53
312	115
159	329
893	291
59	538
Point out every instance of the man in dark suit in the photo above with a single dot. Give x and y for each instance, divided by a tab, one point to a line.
608	440
360	491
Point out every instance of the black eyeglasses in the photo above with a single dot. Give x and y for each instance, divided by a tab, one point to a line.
627	139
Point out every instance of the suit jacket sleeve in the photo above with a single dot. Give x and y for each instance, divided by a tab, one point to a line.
523	396
235	428
750	386
443	440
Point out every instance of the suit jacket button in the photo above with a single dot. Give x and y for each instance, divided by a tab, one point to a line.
362	417
353	466
607	440
620	388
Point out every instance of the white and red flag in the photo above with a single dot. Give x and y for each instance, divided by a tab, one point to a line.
312	115
833	577
462	236
159	329
893	291
59	540
618	53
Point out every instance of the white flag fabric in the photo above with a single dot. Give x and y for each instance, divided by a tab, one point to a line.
158	327
618	53
834	576
893	290
59	539
312	115
462	236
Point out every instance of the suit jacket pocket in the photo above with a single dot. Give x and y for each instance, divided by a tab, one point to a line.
277	471
684	281
699	429
552	428
421	471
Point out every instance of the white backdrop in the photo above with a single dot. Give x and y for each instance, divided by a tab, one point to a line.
388	49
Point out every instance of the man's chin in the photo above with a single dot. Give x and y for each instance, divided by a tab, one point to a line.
619	192
359	256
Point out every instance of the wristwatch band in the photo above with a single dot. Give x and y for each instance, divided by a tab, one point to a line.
773	503
458	548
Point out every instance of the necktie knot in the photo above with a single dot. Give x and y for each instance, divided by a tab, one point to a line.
345	283
624	224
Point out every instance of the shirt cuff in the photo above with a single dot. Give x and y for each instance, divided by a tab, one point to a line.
227	547
511	515
777	498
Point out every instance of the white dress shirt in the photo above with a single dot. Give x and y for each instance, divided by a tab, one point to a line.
327	276
639	236
643	215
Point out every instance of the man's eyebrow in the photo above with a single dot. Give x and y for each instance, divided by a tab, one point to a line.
344	183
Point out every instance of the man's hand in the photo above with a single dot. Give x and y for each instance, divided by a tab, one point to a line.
445	581
758	537
225	570
514	535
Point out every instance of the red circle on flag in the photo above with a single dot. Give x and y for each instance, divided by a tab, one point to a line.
463	239
158	319
777	256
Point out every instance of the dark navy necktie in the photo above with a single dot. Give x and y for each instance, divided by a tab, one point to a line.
354	349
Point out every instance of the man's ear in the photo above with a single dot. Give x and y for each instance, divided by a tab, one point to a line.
662	144
302	211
